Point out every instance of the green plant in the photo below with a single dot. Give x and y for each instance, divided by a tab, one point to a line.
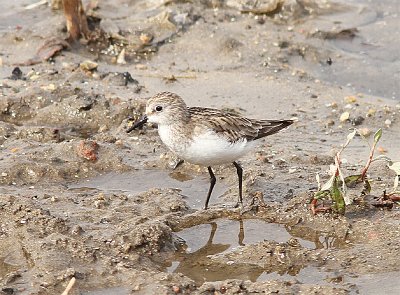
336	188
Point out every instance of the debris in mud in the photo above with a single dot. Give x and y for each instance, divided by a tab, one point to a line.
48	50
88	65
306	51
128	78
357	121
75	16
16	74
122	79
76	25
271	8
285	10
385	201
170	79
345	34
69	286
87	149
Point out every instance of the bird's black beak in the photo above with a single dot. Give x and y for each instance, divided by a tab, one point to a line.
138	124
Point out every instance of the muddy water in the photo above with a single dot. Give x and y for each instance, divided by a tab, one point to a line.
193	188
306	275
202	241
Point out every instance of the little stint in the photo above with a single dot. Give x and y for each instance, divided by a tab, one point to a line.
206	136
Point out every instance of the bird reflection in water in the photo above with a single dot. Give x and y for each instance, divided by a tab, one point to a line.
198	266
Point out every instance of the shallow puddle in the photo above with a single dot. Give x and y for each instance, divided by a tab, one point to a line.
193	188
203	240
306	275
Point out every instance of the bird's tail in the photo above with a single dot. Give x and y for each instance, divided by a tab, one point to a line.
269	127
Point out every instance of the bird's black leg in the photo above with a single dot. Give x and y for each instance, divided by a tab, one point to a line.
240	176
241	233
213	180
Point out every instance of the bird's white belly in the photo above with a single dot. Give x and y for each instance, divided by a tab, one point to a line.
206	149
211	149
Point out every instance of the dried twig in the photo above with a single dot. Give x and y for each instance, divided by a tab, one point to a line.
69	286
76	19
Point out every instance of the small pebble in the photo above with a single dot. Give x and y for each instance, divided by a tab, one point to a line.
365	132
176	289
333	105
145	38
88	65
382	150
371	112
357	121
121	57
344	116
348	106
49	87
350	99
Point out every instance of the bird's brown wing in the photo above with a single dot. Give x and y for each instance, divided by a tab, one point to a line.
235	127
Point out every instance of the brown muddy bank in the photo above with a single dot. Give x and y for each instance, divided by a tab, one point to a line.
80	198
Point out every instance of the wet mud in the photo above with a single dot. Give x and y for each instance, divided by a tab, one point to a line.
80	198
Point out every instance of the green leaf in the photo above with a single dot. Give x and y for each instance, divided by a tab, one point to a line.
337	197
352	180
321	195
378	135
367	188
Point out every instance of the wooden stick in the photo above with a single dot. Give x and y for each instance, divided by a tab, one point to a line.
76	19
69	286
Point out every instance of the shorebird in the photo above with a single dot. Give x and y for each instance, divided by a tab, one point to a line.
206	136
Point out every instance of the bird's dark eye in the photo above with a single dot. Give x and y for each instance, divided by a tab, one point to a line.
158	108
